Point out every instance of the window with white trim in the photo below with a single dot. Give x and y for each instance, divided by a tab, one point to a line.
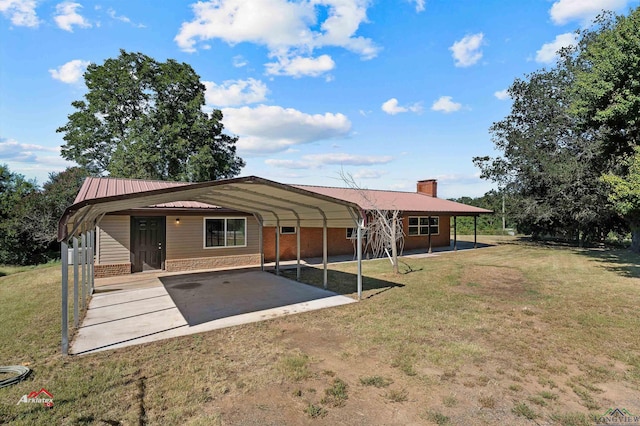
352	233
225	232
420	225
284	230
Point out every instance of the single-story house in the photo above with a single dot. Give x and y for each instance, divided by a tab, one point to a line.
193	234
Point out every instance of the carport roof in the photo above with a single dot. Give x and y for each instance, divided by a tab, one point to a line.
273	203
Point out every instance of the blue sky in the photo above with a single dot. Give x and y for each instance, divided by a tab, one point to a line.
389	91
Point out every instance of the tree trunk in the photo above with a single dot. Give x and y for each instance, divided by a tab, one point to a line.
635	237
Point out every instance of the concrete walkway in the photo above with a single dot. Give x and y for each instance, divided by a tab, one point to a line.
178	305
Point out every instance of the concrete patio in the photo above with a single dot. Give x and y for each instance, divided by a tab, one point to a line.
143	308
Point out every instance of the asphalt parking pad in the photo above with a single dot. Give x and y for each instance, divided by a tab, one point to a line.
204	297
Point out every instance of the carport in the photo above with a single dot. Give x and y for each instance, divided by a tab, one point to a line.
272	204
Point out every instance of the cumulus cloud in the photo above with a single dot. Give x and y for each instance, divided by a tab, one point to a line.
12	150
563	11
446	105
466	52
122	18
392	107
301	66
315	161
67	16
502	94
290	30
71	72
419	5
549	51
369	174
22	13
268	129
235	92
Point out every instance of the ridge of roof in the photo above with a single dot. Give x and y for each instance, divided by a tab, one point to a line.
395	191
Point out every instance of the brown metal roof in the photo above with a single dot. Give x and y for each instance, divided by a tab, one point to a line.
369	199
98	187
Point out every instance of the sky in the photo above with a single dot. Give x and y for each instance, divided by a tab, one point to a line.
390	92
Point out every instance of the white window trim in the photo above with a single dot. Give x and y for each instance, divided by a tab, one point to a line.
295	230
419	234
204	232
353	233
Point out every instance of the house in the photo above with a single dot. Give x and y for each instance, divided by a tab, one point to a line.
194	234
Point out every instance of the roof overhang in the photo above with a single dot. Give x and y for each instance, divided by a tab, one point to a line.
273	203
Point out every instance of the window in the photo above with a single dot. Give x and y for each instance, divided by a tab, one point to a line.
420	225
287	230
225	232
352	233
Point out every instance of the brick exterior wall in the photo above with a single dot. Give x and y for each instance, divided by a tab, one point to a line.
111	270
176	265
337	242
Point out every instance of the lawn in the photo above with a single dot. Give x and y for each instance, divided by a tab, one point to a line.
517	333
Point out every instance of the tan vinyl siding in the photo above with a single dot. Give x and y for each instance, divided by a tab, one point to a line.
114	239
185	240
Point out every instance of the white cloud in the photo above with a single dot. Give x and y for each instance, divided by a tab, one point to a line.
289	30
300	66
22	13
71	72
392	107
502	94
239	61
67	16
122	18
348	159
235	92
563	11
466	51
549	51
12	150
266	129
369	174
446	105
419	5
290	164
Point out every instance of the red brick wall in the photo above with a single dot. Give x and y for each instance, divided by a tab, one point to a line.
337	242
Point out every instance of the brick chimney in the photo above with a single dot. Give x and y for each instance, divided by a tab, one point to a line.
428	187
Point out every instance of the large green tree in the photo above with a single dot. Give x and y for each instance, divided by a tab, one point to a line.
607	101
144	119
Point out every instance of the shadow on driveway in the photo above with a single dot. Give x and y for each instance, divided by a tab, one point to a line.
208	296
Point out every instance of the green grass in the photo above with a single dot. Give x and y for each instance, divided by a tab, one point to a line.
547	322
337	394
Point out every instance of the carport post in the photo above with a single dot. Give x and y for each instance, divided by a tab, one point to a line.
455	233
360	226
475	232
261	242
83	238
64	254
324	253
92	260
298	250
278	247
75	282
429	219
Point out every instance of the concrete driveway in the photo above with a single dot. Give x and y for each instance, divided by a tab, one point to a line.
178	305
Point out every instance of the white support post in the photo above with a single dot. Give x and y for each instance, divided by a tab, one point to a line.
64	254
298	250
261	242
83	256
360	226
75	282
324	254
92	259
278	247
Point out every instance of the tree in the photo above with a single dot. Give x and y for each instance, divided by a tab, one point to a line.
607	101
15	247
143	119
625	195
545	168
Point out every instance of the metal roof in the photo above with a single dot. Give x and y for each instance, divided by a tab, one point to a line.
369	199
273	203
